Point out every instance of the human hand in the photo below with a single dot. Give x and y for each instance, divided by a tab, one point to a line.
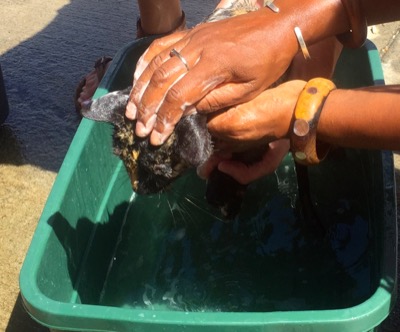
264	119
246	173
220	73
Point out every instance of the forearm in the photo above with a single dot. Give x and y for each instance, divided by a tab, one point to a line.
362	118
319	19
159	16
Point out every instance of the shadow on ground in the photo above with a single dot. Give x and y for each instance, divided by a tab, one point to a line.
41	74
21	322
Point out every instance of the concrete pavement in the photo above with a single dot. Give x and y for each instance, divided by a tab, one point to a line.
45	48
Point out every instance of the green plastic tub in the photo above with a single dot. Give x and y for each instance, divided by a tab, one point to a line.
104	259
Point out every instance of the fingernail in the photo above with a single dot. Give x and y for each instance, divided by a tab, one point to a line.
157	138
142	129
131	110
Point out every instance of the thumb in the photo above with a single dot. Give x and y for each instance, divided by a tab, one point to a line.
225	95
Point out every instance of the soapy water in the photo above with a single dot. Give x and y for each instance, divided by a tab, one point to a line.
175	252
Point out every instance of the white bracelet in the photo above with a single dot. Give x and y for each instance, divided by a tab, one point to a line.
270	5
302	43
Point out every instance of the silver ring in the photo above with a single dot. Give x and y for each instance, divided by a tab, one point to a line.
174	52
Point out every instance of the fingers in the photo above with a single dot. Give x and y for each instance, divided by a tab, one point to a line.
241	172
161	81
183	93
156	54
245	174
165	90
204	171
159	45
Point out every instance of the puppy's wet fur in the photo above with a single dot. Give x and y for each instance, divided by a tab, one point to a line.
153	168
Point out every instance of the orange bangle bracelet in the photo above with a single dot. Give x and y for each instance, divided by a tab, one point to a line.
303	140
357	36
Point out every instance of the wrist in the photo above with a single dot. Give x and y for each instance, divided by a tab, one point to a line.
283	98
303	138
316	19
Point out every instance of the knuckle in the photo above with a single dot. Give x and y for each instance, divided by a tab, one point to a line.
159	77
156	62
207	105
174	95
155	46
214	104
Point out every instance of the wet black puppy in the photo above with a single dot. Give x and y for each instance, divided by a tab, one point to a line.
153	168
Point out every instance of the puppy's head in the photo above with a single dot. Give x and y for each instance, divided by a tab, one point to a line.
151	169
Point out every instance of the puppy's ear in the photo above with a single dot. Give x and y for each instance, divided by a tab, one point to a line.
193	139
107	108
